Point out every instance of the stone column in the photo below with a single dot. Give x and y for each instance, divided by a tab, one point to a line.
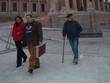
67	4
75	5
20	7
29	6
48	5
98	3
82	4
9	7
93	2
85	4
39	7
106	5
103	5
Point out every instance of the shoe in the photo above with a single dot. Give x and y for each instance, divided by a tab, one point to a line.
25	59
75	61
18	66
30	71
37	67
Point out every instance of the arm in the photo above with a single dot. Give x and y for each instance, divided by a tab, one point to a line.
40	32
79	27
13	30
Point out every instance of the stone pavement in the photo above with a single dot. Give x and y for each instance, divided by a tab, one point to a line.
94	65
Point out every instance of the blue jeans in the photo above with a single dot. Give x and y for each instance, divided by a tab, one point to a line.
74	42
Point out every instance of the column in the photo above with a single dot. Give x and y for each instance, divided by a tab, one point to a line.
29	6
75	5
82	4
19	7
103	5
67	4
39	7
9	7
98	3
85	4
48	6
93	2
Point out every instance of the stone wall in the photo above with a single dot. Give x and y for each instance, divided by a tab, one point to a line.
90	22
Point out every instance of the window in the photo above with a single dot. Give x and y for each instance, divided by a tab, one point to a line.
42	7
14	7
3	6
34	7
25	7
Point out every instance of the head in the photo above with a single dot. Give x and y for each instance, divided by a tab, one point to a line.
70	17
18	19
29	18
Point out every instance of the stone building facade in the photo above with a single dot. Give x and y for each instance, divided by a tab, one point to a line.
11	8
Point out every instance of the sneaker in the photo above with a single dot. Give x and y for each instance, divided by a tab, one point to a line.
37	67
75	61
30	71
18	66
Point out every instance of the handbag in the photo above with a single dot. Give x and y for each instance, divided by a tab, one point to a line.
40	50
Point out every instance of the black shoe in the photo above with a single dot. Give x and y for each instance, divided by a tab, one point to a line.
18	66
30	71
25	59
37	67
75	61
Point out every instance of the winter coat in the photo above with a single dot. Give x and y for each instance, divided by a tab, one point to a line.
71	29
18	31
33	33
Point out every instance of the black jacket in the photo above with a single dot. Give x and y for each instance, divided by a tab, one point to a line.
71	29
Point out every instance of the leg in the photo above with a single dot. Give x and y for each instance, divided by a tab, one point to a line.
19	55
33	61
74	45
23	54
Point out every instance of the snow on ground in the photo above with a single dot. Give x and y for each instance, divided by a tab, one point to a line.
94	65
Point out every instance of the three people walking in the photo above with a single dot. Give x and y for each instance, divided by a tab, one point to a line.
32	33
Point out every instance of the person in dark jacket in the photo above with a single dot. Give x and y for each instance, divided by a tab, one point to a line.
34	37
72	30
18	35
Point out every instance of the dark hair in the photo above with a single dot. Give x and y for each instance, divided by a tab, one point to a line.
17	24
29	15
69	15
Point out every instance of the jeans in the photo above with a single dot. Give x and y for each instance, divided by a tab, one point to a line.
20	53
74	42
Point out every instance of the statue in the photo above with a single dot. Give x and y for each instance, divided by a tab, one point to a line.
90	6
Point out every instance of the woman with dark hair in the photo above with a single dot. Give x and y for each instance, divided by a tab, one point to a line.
18	36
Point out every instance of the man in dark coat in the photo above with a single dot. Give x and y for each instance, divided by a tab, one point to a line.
72	30
33	37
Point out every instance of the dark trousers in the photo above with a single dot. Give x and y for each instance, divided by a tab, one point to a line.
20	53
